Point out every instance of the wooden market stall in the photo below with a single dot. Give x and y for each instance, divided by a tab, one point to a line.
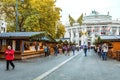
25	44
114	46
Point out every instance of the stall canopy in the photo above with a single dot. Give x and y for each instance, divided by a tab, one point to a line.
32	36
110	38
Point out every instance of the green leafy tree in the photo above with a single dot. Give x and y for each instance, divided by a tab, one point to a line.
34	15
9	9
60	30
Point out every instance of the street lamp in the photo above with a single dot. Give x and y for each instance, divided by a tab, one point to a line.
17	14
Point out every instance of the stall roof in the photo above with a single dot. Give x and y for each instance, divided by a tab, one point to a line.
63	39
19	34
27	35
110	38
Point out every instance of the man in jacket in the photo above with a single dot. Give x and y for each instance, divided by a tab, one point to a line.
9	55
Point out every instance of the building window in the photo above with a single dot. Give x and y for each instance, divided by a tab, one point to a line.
80	35
0	44
70	34
4	30
89	33
79	43
119	30
2	23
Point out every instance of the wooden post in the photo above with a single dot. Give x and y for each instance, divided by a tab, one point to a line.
21	46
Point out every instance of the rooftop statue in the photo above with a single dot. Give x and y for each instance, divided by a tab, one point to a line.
94	12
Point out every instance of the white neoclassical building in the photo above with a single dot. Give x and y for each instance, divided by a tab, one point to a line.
3	26
93	25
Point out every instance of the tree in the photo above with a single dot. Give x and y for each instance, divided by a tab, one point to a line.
34	15
80	19
71	20
60	31
9	9
48	16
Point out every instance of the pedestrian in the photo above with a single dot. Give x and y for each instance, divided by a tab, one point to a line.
46	50
68	50
104	51
85	50
55	50
73	49
36	46
9	55
65	49
99	51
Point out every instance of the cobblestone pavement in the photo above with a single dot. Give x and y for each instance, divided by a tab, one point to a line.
30	68
79	68
87	68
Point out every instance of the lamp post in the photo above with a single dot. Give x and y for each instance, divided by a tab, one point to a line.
17	25
16	15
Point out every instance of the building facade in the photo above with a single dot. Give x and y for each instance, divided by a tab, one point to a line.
3	26
93	25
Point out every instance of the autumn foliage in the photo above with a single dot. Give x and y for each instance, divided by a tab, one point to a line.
34	15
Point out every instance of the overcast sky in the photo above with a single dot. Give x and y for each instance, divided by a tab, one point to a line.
76	7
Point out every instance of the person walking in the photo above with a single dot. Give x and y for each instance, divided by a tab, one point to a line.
36	47
104	51
46	50
9	55
85	50
73	49
65	48
55	50
68	50
99	51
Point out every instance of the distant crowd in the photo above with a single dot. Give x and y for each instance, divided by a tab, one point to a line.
66	49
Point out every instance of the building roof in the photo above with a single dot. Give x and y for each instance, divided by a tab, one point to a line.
27	35
110	38
18	34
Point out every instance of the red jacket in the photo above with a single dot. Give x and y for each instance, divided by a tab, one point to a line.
9	54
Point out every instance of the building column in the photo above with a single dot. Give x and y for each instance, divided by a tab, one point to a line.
71	38
92	35
117	31
100	29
